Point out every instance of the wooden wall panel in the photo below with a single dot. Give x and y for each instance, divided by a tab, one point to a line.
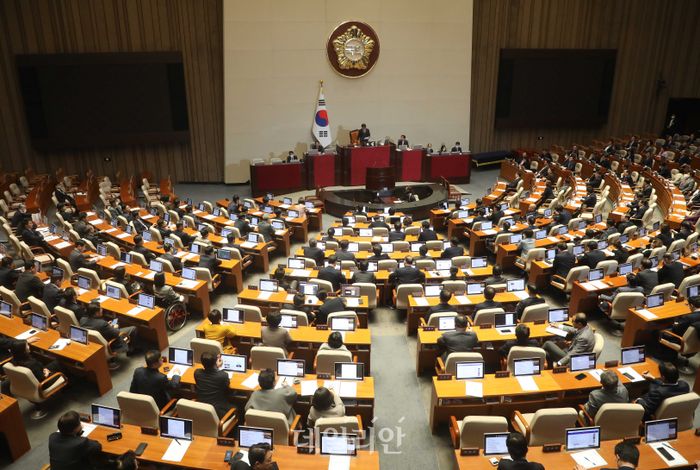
654	38
73	26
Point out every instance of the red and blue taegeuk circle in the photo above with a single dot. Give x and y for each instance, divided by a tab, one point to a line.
322	118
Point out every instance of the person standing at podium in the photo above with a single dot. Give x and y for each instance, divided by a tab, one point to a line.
364	134
402	141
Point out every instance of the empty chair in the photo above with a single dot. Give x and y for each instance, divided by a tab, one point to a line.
462	261
535	254
370	291
450	363
525	352
622	303
387	265
616	420
454	286
486	316
686	345
665	289
201	345
682	407
66	319
339	424
326	359
323	285
203	274
469	432
138	258
265	357
608	266
535	313
434	245
598	345
38	306
92	275
282	431
545	426
205	422
301	317
250	312
425	264
23	384
401	245
402	293
579	273
380	232
140	410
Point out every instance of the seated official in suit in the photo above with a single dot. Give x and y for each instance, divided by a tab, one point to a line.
94	320
314	252
457	147
397	234
332	273
582	340
334	341
298	303
273	334
53	294
139	248
343	254
28	283
532	299
459	340
326	403
125	279
164	292
223	334
626	457
522	338
444	305
269	398
453	250
564	261
169	256
612	391
426	233
31	236
361	275
496	277
330	305
209	260
151	381
363	134
592	255
672	271
682	323
377	254
378	222
517	449
77	258
489	294
68	450
22	357
666	386
646	277
8	274
632	286
408	274
212	384
402	141
185	237
259	458
527	243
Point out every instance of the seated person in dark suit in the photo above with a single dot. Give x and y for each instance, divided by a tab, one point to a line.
671	271
330	305
396	234
590	199
562	216
592	255
77	258
94	321
361	275
67	449
151	381
28	283
612	391
667	386
53	294
8	274
408	274
363	134
489	294
331	273
298	304
259	458
461	339
647	278
241	223
517	449
378	222
682	323
343	254
31	236
563	262
212	384
22	357
184	237
444	305
496	277
533	299
20	217
377	253
457	147
423	253
605	303
453	250
330	235
626	455
209	260
265	228
426	233
139	248
70	302
314	252
169	256
522	338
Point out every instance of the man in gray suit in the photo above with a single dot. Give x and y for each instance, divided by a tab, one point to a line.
611	392
459	340
268	398
582	341
265	228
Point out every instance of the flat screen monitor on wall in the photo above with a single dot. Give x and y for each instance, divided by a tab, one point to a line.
544	88
106	99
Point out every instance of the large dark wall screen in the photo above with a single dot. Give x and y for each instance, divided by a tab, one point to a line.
95	100
541	88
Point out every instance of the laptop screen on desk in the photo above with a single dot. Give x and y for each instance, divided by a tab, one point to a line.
692	291
308	288
495	443
156	266
296	263
372	266
462	214
349	371
443	264
557	315
181	356
516	238
338	444
547	213
387	247
577	250
349	290
146	300
624	269
232	315
56	272
249	436
504	320
415	247
353	247
487	225
223	254
581	362
79	335
176	428
189	274
550	254
288	321
290	367
106	416
475	288
433	290
469	370
268	285
595	274
529	366
5	309
563	230
84	282
113	292
40	322
478	263
365	232
446	323
540	234
661	430
632	355
583	438
656	300
342	324
603	244
515	285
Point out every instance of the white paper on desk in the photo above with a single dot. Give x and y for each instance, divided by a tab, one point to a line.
678	459
352	301
60	343
596	373
117	264
421	301
264	295
189	256
110	230
80	290
177	370
101	298
348	389
135	311
490	232
61	245
176	450
87	429
209	216
251	382
443	273
521	294
334	384
600	284
506	330
553	239
289	219
589	458
463	300
300	273
123	235
50	238
647	314
629	371
28	334
249	245
308	387
96	221
147	217
187	284
279	232
339	462
284	381
474	389
149	275
527	383
311	299
588	286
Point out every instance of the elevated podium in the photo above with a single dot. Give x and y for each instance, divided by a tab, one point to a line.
356	160
322	170
454	167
